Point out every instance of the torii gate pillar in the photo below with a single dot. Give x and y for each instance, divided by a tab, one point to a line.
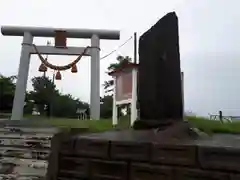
21	85
95	79
28	33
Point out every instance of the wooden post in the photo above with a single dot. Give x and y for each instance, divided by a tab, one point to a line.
135	48
220	116
114	113
134	97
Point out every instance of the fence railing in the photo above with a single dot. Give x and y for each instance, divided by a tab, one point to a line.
223	119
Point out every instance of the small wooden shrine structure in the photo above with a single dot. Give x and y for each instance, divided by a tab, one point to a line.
125	90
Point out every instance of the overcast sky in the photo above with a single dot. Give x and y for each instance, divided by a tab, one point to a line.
209	43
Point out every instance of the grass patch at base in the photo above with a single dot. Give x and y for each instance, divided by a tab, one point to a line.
213	126
203	124
92	125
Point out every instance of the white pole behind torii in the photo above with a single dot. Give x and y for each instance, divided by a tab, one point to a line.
28	33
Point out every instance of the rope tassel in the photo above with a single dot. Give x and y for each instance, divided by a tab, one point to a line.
61	68
58	76
45	64
42	68
74	69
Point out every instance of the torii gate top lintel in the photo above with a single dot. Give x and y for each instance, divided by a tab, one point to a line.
50	32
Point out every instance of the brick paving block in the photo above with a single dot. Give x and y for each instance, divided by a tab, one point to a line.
150	172
67	139
60	142
197	174
177	154
138	151
220	158
67	145
108	170
61	178
73	167
92	148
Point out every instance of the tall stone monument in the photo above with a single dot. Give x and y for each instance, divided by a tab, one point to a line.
160	92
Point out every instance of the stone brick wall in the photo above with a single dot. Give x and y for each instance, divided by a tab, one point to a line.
99	158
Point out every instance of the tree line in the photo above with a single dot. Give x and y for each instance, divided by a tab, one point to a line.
44	98
47	99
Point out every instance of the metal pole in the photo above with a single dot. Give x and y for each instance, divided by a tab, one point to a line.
135	47
220	116
134	97
182	85
135	94
115	108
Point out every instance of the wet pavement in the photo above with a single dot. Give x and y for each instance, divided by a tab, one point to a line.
24	152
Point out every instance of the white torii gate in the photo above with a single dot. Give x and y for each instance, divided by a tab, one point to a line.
28	33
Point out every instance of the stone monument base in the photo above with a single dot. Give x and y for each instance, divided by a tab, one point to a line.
145	155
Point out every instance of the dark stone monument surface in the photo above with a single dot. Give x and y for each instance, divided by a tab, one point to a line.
164	146
160	93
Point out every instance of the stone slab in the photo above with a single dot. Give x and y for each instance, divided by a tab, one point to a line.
138	151
150	172
61	143
219	158
108	170
174	153
72	167
197	174
92	148
234	176
160	89
123	135
62	178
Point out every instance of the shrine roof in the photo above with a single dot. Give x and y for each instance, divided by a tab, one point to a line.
123	68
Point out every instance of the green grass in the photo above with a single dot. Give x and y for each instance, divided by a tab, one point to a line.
204	124
92	125
211	126
5	115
